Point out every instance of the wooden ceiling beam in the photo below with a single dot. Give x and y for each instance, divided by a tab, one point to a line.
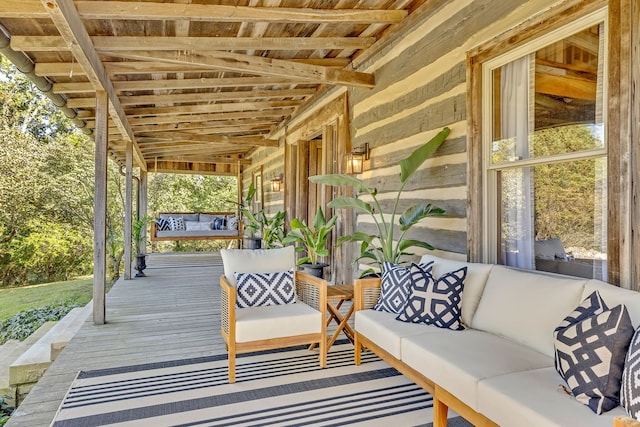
209	108
196	97
212	139
65	69
196	44
206	159
228	61
210	13
208	130
221	124
193	118
186	84
65	17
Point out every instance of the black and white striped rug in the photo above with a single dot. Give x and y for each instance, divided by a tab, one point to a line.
281	388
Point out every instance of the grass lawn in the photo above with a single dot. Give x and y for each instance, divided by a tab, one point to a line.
14	300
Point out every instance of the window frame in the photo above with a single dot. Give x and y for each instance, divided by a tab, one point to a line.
557	18
490	171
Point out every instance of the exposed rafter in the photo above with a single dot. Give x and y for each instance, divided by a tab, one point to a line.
256	65
70	26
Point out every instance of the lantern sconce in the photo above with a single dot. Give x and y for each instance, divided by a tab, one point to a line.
356	159
277	184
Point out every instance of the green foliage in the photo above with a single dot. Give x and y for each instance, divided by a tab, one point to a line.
27	322
272	229
138	227
14	300
384	246
5	410
313	240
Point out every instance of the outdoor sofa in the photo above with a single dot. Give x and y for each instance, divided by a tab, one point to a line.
499	370
196	226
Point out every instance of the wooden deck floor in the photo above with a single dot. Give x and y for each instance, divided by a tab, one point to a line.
171	314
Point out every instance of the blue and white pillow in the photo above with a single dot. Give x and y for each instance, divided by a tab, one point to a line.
263	289
630	391
394	291
232	222
218	223
176	223
434	301
162	224
591	345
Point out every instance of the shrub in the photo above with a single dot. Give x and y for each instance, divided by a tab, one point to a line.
26	322
5	410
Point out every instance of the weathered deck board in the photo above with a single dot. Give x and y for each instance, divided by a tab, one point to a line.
173	313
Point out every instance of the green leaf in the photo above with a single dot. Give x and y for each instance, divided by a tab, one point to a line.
407	243
341	180
415	213
411	164
344	202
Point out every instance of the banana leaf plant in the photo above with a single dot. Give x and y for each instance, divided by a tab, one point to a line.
313	240
384	245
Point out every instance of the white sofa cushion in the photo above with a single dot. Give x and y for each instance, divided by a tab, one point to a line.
383	329
614	295
536	398
276	321
256	261
526	307
474	283
457	360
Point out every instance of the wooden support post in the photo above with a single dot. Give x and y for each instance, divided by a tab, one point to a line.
128	209
100	208
143	202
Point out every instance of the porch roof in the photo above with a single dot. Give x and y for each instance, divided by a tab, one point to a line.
195	85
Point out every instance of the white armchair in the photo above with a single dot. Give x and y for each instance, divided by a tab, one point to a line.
273	326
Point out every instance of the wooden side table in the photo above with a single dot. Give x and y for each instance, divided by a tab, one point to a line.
336	296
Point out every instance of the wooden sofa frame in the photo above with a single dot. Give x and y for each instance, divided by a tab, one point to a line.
237	236
366	293
310	290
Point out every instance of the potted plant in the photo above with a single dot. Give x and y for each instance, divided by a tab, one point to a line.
138	226
272	229
384	245
312	240
252	222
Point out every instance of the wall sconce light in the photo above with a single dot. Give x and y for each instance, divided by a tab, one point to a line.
276	184
356	159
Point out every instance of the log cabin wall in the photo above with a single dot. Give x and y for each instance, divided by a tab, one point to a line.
421	87
422	80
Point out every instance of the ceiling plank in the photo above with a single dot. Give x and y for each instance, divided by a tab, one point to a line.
223	13
211	13
212	139
202	83
66	19
222	124
208	108
229	61
196	97
65	69
276	113
109	43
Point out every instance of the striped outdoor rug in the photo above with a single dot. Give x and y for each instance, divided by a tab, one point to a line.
281	388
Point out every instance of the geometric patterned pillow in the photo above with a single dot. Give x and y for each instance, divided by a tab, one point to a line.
590	353
218	223
435	301
162	224
630	391
176	223
394	292
232	222
261	289
591	306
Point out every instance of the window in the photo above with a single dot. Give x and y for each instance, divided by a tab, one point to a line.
545	154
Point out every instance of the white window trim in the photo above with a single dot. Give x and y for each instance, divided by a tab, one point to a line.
489	176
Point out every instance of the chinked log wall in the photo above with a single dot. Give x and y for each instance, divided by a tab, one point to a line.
420	88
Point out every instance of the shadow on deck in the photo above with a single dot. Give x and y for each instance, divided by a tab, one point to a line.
172	313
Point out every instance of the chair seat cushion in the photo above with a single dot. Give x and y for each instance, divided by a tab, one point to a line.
276	321
387	332
536	398
457	360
